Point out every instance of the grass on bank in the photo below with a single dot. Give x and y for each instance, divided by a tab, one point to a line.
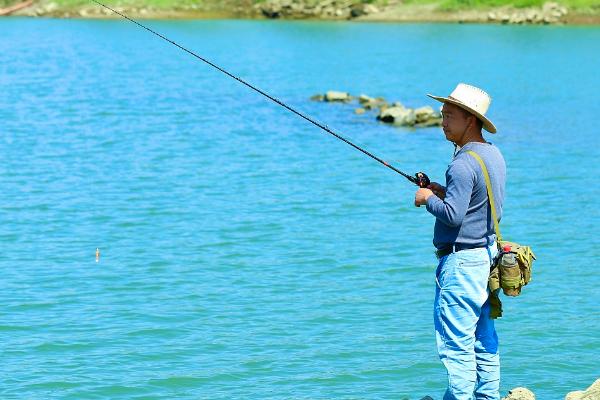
451	5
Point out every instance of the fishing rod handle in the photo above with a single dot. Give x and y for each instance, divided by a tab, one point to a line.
422	180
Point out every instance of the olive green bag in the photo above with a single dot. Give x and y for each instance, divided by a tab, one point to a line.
511	269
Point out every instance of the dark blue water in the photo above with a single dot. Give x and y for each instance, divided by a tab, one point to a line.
245	254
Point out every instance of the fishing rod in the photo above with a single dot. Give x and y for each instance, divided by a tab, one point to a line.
419	179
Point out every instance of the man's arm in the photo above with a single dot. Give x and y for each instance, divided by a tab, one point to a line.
453	208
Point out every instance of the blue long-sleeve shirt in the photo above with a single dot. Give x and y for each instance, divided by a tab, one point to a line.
464	216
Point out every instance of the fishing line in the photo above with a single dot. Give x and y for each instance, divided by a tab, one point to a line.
420	179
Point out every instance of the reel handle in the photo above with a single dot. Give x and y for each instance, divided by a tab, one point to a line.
422	180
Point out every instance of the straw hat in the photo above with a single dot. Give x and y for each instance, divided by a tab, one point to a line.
472	99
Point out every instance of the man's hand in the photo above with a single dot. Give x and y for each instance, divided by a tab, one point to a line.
421	196
438	190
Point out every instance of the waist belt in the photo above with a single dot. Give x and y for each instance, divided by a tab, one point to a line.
454	248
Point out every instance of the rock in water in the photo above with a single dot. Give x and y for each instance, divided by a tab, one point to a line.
578	395
390	113
520	393
363	99
424	113
429	123
398	116
370	103
337	96
591	393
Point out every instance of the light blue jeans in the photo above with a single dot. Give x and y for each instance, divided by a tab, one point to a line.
466	338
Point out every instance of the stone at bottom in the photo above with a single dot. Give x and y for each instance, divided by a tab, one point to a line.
520	393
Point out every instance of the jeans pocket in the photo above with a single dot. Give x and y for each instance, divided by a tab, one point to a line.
438	271
469	264
470	260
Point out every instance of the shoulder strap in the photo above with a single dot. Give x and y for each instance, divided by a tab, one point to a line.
488	185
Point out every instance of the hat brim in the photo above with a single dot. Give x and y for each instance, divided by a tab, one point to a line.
487	124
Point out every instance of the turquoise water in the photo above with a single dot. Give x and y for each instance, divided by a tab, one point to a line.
246	254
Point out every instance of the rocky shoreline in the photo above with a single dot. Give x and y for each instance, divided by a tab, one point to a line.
549	13
354	10
591	393
521	393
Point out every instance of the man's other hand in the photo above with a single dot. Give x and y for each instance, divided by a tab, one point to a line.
421	196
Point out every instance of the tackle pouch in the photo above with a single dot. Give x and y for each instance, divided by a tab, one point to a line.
514	264
511	269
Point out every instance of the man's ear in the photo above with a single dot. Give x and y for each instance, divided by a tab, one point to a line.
472	119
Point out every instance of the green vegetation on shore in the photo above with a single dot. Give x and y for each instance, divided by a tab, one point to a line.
589	5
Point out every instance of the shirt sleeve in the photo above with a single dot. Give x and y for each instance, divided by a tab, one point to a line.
459	187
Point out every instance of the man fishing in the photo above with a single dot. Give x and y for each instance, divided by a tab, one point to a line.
464	239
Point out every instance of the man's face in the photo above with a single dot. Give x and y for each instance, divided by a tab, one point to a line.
454	122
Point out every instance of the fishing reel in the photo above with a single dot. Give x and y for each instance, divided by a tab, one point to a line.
421	180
